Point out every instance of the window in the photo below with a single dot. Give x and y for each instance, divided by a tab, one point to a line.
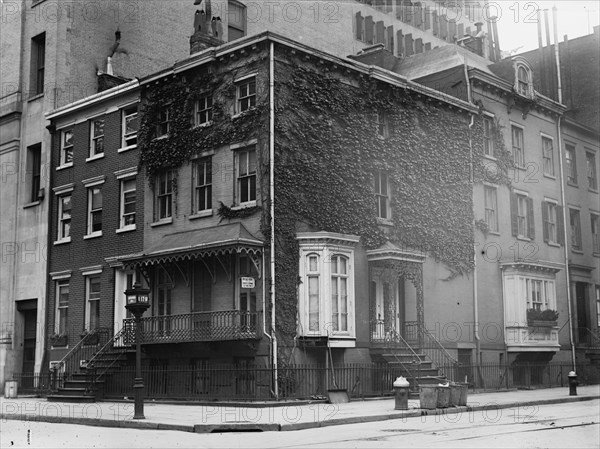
488	137
93	289
164	289
594	219
571	165
62	307
127	207
598	303
326	290
203	110
575	229
34	166
246	94
247	296
552	216
590	159
202	184
130	125
339	293
522	216
540	294
491	208
523	81
246	168
236	17
66	148
517	146
94	224
96	137
381	122
548	156
163	205
382	195
163	121
38	64
64	217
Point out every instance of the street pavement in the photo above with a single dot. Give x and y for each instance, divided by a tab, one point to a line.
206	418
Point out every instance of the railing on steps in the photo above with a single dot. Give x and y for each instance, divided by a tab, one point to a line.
81	352
441	358
588	337
416	360
95	374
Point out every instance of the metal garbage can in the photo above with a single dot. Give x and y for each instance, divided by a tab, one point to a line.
428	396
443	397
10	389
454	394
401	390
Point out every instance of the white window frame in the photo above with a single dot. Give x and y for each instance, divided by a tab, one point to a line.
62	282
202	185
595	226
91	211
163	121
384	212
575	233
523	86
548	156
544	288
522	215
552	223
518	153
491	210
66	149
203	109
591	170
96	140
89	300
325	246
242	156
488	136
245	98
163	202
129	140
63	236
571	163
122	197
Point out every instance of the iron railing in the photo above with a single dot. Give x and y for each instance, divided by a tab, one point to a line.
588	338
38	384
98	366
81	352
193	327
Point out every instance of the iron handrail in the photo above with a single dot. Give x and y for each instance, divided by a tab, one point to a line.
109	345
77	348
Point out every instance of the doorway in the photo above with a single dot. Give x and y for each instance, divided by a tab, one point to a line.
583	317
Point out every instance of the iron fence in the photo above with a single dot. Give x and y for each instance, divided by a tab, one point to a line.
38	384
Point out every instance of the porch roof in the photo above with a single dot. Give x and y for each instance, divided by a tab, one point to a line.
389	251
216	240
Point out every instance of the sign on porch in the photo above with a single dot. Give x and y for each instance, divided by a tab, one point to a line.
247	282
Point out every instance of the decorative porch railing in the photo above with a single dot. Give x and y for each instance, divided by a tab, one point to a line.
82	351
588	338
193	327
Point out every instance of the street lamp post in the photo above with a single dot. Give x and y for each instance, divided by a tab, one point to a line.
138	302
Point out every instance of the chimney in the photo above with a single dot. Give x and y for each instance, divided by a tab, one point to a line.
208	30
376	55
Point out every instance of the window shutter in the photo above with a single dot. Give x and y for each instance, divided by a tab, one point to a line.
545	221
560	225
530	223
513	214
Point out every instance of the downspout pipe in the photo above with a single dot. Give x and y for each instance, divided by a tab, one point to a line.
562	191
272	211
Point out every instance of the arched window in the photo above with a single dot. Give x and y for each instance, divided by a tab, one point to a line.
523	80
339	293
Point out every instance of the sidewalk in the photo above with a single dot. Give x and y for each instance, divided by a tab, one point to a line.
217	418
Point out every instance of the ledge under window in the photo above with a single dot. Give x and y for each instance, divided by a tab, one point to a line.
93	158
32	204
239	114
549	176
201	214
577	250
123	149
63	241
202	125
125	229
36	97
62	167
164	221
385	221
93	235
557	245
245	205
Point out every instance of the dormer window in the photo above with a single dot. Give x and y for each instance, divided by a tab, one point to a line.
524	84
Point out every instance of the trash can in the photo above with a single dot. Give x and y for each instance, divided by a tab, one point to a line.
464	389
454	394
10	389
401	387
443	396
428	396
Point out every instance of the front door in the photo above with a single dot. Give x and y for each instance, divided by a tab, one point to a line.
389	308
583	318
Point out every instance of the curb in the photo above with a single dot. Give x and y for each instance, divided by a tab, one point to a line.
275	427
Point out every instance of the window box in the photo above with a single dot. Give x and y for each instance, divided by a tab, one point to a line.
59	340
540	323
542	318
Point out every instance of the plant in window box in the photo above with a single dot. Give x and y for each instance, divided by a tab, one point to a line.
542	318
482	226
59	339
91	337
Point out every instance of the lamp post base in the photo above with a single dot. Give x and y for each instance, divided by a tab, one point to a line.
138	394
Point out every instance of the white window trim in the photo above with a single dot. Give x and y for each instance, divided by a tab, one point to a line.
196	110
125	147
548	175
522	128
491	118
122	179
89	233
88	276
237	194
92	154
237	110
326	245
496	212
61	190
57	303
60	240
62	164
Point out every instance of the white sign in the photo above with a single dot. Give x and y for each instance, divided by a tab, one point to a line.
247	282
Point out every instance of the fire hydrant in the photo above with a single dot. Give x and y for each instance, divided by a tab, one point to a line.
573	383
